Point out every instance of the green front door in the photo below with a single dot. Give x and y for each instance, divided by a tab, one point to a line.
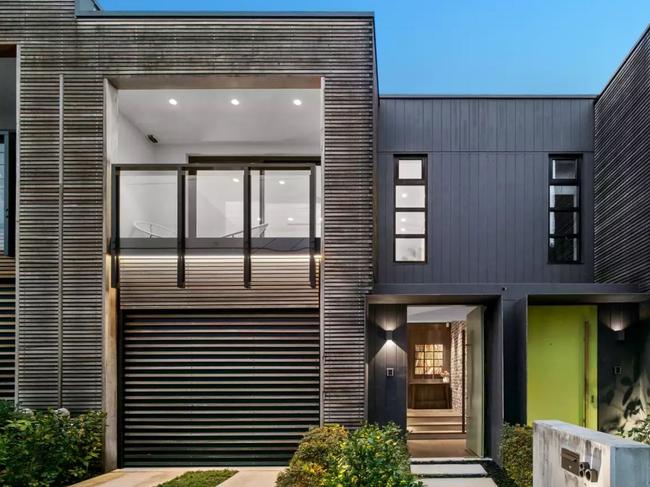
562	364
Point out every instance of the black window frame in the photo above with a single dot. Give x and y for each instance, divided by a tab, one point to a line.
423	181
185	194
9	181
576	210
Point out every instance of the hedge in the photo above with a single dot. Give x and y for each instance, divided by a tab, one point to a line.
517	454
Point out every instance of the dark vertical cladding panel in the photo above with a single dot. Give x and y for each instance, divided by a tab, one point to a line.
387	394
495	389
622	173
515	343
62	175
623	365
488	186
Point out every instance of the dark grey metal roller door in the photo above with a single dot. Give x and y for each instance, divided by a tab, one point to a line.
217	388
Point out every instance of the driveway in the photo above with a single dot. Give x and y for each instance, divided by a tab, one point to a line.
150	477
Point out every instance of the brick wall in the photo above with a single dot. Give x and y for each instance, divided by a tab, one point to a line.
457	328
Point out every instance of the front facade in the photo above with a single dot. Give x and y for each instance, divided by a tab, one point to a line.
224	236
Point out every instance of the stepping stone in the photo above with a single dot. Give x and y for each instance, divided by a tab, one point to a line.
439	460
458	483
456	469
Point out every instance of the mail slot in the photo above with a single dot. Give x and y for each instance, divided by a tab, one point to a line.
570	461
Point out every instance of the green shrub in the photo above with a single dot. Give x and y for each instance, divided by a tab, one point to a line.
7	413
317	453
373	456
200	478
42	449
639	432
517	453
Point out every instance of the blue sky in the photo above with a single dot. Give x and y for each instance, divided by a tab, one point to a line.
476	46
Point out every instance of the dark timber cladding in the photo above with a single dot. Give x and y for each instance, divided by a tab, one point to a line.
63	64
487	207
622	173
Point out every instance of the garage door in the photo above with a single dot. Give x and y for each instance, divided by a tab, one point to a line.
226	388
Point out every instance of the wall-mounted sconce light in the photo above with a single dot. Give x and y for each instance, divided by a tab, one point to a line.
389	335
620	335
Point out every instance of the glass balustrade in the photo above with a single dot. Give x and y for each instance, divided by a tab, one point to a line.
282	203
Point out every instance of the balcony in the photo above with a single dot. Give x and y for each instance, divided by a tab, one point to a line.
223	208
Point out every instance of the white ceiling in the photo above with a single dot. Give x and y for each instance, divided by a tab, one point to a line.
437	314
208	116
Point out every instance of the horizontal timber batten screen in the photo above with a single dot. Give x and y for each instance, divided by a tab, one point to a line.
216	282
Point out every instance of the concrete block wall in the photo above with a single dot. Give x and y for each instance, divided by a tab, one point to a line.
618	462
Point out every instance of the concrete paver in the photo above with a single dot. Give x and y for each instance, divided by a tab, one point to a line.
253	478
459	482
448	469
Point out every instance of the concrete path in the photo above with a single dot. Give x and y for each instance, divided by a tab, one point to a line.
130	477
458	482
449	469
442	474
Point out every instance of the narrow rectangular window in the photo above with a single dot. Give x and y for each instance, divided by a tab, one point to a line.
410	207
564	236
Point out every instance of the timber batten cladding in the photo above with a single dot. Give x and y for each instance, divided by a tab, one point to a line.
217	283
64	61
622	173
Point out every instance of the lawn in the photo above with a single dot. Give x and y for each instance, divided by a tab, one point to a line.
200	478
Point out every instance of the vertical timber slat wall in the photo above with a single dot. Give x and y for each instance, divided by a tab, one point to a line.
85	51
622	173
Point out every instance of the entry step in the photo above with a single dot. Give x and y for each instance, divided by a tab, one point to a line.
459	482
436	435
449	470
435	426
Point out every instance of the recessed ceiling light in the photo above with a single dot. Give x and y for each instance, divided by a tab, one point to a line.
403	220
403	230
173	101
234	101
235	180
297	102
405	195
281	182
290	218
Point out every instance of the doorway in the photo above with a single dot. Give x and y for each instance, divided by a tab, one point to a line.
445	381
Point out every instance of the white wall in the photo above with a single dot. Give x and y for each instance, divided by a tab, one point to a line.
8	93
151	198
132	145
175	153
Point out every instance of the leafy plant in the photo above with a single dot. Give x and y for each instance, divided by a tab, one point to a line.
639	432
200	478
317	454
517	454
373	456
7	413
42	449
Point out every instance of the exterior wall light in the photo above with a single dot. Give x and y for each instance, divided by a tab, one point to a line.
389	335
